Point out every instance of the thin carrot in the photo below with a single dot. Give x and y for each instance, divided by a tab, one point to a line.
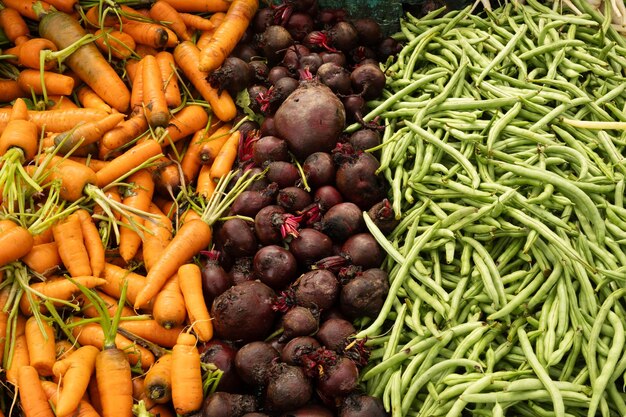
226	157
33	398
19	359
63	349
172	38
184	123
66	6
44	236
210	147
166	175
166	63
43	258
54	83
199	5
205	186
119	44
206	35
58	102
89	99
69	237
96	19
157	236
190	163
75	371
59	288
154	102
29	53
4	319
187	56
196	22
95	164
186	375
56	120
144	50
84	409
94	394
228	34
87	133
125	131
137	196
158	381
167	15
89	310
152	331
169	306
93	242
190	281
128	161
15	242
145	33
139	392
111	194
10	90
116	276
86	61
28	8
13	24
135	71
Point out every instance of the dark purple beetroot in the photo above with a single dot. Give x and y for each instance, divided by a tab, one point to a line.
215	280
388	47
365	295
267	224
222	355
299	321
236	237
281	89
299	24
293	199
333	333
256	93
244	312
253	362
246	52
337	381
275	266
383	216
358	182
327	196
355	106
297	347
249	203
224	404
256	415
368	80
358	405
310	119
335	77
361	55
291	59
288	388
337	58
268	127
342	221
343	36
364	139
364	251
368	31
310	246
310	411
319	169
269	148
278	72
311	62
283	173
241	270
318	288
233	76
274	40
259	71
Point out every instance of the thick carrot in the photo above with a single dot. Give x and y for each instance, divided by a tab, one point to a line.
89	99
95	164
192	237
19	360
111	194
89	310
54	83
87	133
199	5
126	131
137	196
58	102
115	277
60	288
32	396
69	237
166	176
75	371
196	22
156	237
154	102
41	345
166	63
145	33
15	243
63	348
129	160
226	157
228	34
190	163
205	186
93	242
167	15
187	56
43	258
114	383
206	35
56	120
186	122
45	236
169	305
29	53
158	380
84	409
66	6
21	134
152	331
186	376
10	90
190	281
74	177
28	8
135	71
87	61
119	44
13	24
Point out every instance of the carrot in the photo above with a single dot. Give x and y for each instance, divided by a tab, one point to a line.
158	382
125	131
10	90
167	15
74	177
59	288
190	163
13	24
129	160
136	94
116	276
186	122
55	120
97	20
206	35
169	306
84	409
145	33
166	176
187	56
15	242
139	392
19	359
86	61
94	394
138	196
63	348
45	236
33	398
89	99
66	6
69	237
95	164
41	345
190	281
199	5
210	147
156	237
152	331
144	50
29	51
4	319
43	258
58	102
87	133
186	375
75	371
228	34
54	83
117	43
28	8
205	186
166	63
111	194
196	22
93	242
154	102
20	134
226	157
90	310
114	383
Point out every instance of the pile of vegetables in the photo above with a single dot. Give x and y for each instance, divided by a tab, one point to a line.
504	147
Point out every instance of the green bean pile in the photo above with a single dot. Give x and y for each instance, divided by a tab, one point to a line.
504	147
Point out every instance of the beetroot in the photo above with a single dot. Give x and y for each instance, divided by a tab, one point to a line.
310	119
365	295
327	196
293	199
364	251
310	411
241	270
357	179
274	40
310	246
267	224
233	76
364	139
215	280
283	173
268	149
223	404
299	321
318	288
249	203
298	347
319	169
368	31
358	405
222	355
333	333
368	80
287	388
253	362
337	380
236	238
336	77
342	221
275	266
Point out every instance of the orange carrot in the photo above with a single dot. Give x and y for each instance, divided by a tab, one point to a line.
156	237
114	383
63	349
166	14
30	81
95	164
115	277
190	281
28	8
89	310
135	71
4	319
166	176
119	44
152	331
15	242
154	102
19	360
43	258
206	35
75	371
29	53
94	394
196	22
41	346
69	237
13	24
58	102
186	375
125	131
186	122
138	196
158	381
44	237
144	50
56	120
89	99
190	163
93	243
187	56
226	157
113	194
210	147
228	34
87	61
169	306
166	63
145	33
10	90
60	288
20	134
129	160
33	398
74	177
84	409
199	5
87	133
205	186
66	6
